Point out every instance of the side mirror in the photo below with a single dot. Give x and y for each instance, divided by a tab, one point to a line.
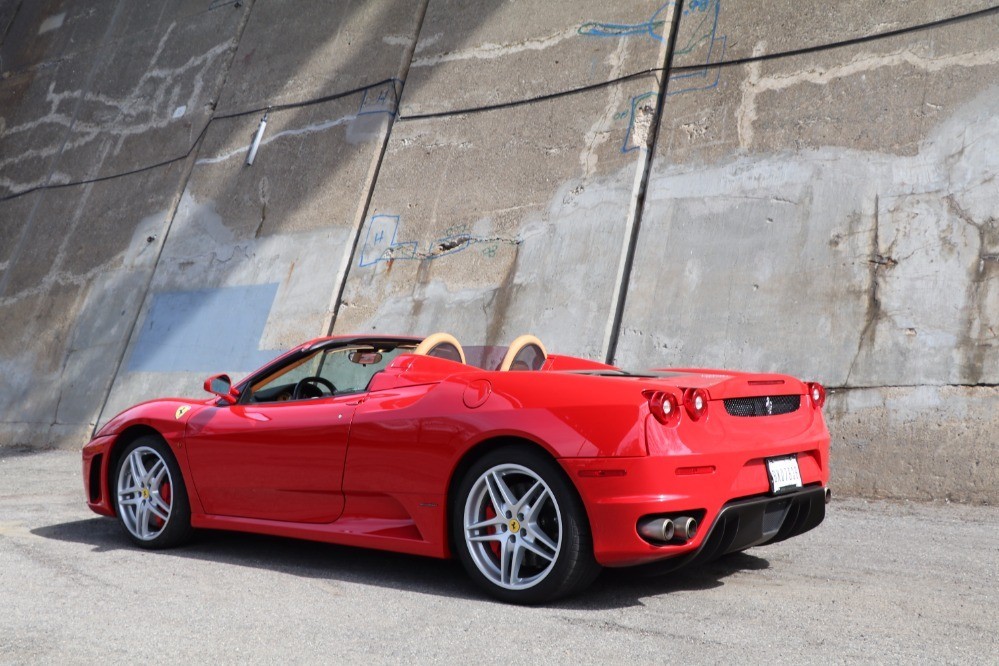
221	386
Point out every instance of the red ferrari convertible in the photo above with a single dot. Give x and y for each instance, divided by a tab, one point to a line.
533	469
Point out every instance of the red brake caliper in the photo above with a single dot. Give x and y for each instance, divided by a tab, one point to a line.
493	545
165	496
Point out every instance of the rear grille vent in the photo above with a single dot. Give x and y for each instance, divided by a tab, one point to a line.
771	405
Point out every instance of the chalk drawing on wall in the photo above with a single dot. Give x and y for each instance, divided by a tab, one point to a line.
653	28
703	37
380	99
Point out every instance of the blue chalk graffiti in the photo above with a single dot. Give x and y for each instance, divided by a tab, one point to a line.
636	103
705	32
652	27
381	244
704	36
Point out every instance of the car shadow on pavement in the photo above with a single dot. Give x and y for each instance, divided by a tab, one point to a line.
615	588
619	588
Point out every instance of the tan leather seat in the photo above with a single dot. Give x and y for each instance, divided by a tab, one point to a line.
525	353
441	345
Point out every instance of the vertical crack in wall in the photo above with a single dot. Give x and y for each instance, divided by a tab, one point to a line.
650	134
977	331
875	263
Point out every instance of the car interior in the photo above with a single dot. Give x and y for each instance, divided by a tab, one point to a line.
345	370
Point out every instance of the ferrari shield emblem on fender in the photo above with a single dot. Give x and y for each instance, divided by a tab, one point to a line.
183	409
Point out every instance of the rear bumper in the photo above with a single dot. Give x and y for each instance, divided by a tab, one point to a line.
758	520
753	521
730	501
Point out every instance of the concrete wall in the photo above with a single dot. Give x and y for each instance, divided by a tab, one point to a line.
494	168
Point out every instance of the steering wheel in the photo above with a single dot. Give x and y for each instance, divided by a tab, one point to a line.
297	394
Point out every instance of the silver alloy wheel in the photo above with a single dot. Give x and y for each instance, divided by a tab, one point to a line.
145	493
513	526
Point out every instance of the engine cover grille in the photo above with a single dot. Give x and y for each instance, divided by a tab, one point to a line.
770	405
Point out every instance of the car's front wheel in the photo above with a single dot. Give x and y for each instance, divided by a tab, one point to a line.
520	529
150	496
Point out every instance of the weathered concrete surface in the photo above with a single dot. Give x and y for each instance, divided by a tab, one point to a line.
916	441
71	298
339	46
831	214
848	195
552	183
740	31
287	221
37	33
116	106
112	89
473	54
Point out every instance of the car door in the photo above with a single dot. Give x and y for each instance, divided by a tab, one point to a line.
272	461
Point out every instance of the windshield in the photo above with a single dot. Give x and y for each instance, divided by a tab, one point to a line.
325	372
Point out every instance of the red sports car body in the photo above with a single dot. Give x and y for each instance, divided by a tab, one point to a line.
533	478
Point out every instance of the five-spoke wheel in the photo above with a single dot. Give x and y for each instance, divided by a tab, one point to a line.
520	529
150	496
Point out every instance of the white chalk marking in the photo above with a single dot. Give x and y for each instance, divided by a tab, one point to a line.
397	40
308	129
862	62
489	51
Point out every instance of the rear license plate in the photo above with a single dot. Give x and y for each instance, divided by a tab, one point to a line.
784	474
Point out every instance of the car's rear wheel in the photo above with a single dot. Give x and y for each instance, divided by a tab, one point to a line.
150	496
520	529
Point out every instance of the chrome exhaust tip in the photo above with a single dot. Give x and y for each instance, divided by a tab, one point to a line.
828	495
684	529
659	530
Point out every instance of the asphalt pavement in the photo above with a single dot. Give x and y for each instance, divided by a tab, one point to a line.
884	582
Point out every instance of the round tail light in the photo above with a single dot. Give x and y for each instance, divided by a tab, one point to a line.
664	406
817	394
696	402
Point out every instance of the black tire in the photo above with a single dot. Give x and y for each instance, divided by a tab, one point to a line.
555	517
139	503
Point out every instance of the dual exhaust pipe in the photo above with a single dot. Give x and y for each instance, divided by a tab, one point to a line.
668	530
679	530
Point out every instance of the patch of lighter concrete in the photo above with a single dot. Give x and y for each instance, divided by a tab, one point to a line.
926	213
600	131
203	252
555	280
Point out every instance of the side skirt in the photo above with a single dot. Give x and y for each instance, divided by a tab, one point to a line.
378	533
